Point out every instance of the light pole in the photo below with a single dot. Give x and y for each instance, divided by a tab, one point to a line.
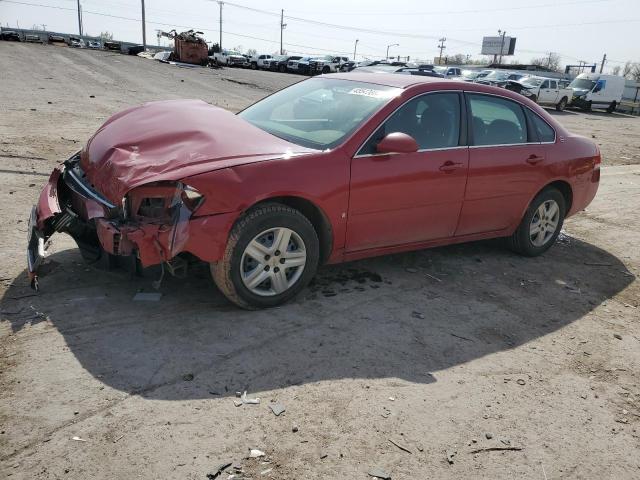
392	45
355	47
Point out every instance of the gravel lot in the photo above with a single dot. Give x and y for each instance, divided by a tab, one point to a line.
480	363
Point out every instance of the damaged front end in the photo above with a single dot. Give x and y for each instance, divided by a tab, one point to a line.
151	225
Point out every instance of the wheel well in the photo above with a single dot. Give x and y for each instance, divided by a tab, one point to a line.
315	215
566	191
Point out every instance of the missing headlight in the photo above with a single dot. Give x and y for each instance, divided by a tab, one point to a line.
152	207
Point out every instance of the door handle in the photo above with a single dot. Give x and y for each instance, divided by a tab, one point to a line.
534	159
450	166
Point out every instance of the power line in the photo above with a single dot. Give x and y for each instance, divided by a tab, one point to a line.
326	24
461	12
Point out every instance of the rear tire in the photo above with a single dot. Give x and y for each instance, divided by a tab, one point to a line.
325	70
612	108
562	104
540	225
236	273
254	66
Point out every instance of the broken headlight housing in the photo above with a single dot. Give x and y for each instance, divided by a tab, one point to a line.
158	202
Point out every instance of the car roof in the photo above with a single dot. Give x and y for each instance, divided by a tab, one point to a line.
388	79
407	81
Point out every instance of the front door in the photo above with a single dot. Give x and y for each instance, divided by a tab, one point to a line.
548	92
398	199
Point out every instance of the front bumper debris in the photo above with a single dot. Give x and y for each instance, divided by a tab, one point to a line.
105	232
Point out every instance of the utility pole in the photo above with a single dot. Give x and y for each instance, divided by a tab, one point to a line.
144	29
355	47
282	27
220	44
501	45
604	59
441	47
79	19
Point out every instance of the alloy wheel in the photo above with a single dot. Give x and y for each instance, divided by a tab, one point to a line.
544	223
273	261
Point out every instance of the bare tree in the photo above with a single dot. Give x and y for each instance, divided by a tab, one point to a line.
551	61
252	52
626	70
616	70
635	72
106	36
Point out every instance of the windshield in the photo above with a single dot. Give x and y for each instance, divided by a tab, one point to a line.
318	113
531	82
470	74
582	84
440	69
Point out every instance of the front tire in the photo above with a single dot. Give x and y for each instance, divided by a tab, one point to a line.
271	255
540	225
562	104
325	70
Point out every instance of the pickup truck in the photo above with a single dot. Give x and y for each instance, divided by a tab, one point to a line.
326	64
260	62
279	62
299	66
229	58
546	91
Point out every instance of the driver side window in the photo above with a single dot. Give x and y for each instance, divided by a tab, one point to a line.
433	120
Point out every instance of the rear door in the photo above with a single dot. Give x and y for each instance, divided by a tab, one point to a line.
404	198
506	164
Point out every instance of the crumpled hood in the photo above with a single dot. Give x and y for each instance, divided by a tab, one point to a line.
171	140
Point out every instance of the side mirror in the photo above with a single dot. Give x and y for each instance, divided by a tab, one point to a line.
397	142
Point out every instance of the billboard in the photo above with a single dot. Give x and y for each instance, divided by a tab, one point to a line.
491	45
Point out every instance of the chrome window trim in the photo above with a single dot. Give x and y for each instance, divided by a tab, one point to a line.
505	145
358	155
555	133
422	150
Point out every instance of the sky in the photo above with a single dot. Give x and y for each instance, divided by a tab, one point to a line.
575	29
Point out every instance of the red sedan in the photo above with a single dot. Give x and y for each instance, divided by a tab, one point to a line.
331	169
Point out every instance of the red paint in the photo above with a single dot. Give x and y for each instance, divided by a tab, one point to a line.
374	204
172	139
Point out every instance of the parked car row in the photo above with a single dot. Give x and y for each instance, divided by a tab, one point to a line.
586	91
281	63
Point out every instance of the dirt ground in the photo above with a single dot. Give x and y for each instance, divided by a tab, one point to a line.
480	363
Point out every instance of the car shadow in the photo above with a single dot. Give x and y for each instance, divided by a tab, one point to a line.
403	316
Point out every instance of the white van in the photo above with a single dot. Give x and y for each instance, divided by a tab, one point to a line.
597	90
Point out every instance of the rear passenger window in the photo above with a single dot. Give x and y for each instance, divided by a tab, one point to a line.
496	121
433	120
542	128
